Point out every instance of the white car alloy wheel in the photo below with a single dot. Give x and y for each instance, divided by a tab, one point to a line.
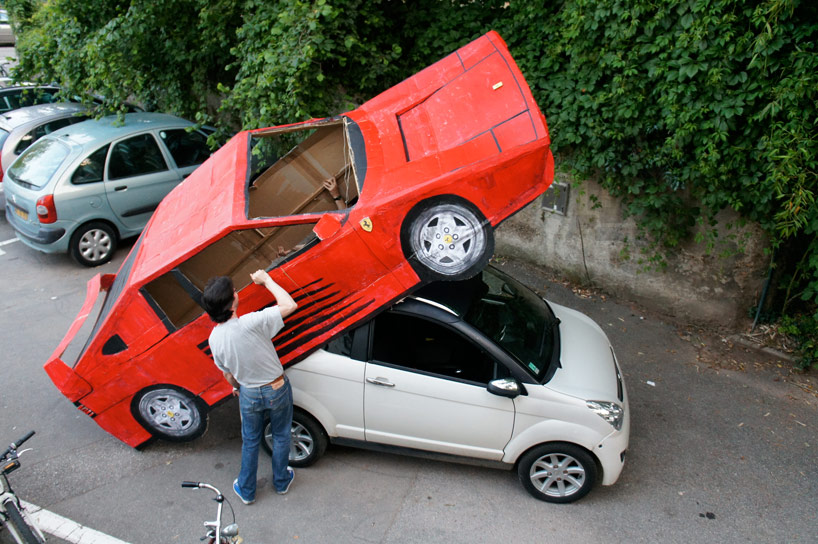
308	440
557	472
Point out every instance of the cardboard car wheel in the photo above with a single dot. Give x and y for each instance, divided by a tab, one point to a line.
447	238
558	472
308	441
170	413
93	244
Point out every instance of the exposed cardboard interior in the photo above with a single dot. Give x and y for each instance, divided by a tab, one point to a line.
293	184
237	255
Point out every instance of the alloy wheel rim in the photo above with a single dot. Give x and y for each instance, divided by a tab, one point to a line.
168	411
448	239
301	442
557	475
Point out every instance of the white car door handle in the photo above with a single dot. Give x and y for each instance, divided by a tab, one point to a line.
380	381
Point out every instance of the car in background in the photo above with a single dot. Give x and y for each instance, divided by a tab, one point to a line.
6	32
85	187
481	370
20	96
426	170
22	127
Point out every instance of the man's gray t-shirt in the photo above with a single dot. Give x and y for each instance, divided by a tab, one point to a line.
244	347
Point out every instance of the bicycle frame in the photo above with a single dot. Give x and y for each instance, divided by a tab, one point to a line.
12	513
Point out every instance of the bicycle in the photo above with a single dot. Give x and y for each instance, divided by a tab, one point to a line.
226	535
12	513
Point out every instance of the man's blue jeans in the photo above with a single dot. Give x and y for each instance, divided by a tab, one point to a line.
256	405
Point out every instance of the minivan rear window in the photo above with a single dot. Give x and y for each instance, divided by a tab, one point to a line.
39	163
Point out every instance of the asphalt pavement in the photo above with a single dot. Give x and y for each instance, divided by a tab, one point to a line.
723	446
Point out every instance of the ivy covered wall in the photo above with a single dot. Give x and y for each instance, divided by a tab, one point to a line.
681	109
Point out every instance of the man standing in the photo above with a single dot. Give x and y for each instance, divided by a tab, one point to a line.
242	348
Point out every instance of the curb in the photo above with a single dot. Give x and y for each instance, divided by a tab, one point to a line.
737	339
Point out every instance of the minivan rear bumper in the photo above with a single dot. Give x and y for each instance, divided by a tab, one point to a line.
44	236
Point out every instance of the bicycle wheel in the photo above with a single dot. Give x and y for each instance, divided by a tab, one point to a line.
18	526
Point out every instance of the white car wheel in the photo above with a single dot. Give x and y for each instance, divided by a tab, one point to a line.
557	472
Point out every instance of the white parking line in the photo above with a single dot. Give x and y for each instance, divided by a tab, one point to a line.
7	242
64	528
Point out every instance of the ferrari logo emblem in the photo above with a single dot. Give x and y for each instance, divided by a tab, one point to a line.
366	224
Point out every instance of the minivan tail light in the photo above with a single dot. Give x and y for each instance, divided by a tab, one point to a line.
46	212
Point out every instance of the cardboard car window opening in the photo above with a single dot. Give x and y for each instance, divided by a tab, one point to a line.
426	171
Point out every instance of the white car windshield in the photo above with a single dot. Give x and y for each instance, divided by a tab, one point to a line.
507	312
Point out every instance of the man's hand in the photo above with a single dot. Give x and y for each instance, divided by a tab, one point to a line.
232	381
261	277
286	304
332	187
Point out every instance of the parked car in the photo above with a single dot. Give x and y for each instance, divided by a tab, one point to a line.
481	370
6	32
22	127
19	96
83	188
425	175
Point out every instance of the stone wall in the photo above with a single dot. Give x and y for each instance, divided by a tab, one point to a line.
593	244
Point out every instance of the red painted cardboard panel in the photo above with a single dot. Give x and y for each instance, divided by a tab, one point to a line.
466	130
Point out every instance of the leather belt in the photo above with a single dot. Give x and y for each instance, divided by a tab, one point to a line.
277	383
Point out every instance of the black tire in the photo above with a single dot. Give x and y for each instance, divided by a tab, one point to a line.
446	238
309	440
170	413
93	244
557	472
18	524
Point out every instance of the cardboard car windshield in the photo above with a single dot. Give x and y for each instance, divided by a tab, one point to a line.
426	170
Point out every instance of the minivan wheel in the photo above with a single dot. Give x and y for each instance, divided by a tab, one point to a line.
170	413
308	440
557	472
93	244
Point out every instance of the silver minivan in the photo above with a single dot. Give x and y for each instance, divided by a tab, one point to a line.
85	187
22	127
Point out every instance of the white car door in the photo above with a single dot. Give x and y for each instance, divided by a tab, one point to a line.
426	389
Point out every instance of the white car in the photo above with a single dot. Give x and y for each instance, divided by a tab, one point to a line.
480	370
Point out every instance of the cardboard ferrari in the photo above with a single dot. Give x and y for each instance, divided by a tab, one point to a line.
426	170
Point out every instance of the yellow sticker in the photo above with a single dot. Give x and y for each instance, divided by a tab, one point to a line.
366	224
497	85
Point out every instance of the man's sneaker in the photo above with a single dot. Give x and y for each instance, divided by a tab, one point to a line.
292	477
238	493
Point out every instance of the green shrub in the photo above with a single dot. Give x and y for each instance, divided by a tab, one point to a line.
802	328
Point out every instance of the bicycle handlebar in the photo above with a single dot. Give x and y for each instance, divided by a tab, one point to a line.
201	485
16	445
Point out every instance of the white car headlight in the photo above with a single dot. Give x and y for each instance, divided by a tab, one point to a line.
609	411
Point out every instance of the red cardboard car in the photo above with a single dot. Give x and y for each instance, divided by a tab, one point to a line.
426	170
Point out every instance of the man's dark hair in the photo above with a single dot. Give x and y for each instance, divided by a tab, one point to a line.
217	298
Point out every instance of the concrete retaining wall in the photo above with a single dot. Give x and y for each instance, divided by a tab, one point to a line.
592	244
